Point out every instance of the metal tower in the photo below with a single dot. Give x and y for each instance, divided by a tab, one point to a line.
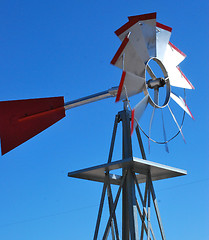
134	172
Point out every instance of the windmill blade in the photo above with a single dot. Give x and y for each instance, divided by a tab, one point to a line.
21	120
148	27
132	84
178	79
162	39
138	111
180	101
137	40
176	123
164	133
128	60
173	56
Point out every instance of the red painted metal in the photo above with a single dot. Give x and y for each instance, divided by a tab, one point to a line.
132	121
120	86
21	120
185	77
120	50
178	50
160	25
133	20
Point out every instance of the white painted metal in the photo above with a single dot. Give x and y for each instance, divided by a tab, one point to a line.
180	101
172	56
162	40
177	79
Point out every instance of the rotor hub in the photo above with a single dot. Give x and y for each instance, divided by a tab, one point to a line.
159	79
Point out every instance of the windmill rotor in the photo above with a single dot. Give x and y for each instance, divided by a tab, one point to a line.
144	40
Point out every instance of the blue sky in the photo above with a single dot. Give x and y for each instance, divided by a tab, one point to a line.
63	48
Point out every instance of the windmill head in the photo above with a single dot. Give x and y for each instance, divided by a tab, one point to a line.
143	40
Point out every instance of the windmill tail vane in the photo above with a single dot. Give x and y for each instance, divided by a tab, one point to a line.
144	41
21	120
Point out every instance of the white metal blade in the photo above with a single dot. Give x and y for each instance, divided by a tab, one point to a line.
130	84
180	101
178	79
162	39
128	60
137	40
138	111
148	27
173	56
147	33
176	123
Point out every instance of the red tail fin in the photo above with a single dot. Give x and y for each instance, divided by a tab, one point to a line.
21	120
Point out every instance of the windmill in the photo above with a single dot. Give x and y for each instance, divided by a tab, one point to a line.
144	41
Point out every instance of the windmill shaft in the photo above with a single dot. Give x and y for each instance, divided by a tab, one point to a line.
112	92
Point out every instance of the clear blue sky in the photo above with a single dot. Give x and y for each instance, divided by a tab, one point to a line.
63	48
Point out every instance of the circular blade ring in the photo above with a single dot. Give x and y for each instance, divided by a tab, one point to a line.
154	82
164	142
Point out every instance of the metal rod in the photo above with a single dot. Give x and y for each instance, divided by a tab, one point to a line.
132	208
144	207
114	207
112	92
140	143
156	208
151	73
110	200
143	222
148	212
100	211
113	139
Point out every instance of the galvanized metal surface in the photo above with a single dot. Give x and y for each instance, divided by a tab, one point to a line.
158	171
112	92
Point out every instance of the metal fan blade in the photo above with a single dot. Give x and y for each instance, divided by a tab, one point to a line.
130	84
137	40
173	56
164	133
176	123
180	101
138	111
178	79
148	27
21	120
128	60
162	39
